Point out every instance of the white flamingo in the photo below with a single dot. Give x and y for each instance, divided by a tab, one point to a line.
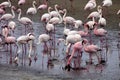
90	5
6	4
12	25
118	12
21	2
8	16
32	10
67	19
78	23
46	16
56	20
24	20
107	3
24	39
43	6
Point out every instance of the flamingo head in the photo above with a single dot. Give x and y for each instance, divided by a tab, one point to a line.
61	12
31	36
34	2
64	10
58	7
13	7
84	41
19	10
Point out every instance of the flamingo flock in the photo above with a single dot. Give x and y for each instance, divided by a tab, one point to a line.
77	33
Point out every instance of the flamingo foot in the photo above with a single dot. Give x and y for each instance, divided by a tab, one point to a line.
68	67
15	61
35	58
10	62
30	61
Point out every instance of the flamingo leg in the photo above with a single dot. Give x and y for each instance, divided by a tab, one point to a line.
10	54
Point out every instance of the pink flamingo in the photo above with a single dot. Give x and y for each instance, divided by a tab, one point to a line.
85	32
71	39
21	2
2	11
92	49
9	40
43	6
77	48
6	4
24	20
101	33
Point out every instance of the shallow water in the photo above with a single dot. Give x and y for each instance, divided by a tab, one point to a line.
110	71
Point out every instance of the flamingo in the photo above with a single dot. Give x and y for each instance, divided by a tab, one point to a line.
85	32
32	10
118	12
67	19
24	39
46	16
21	2
6	4
101	21
8	40
43	6
92	49
12	25
101	33
56	20
49	27
71	39
78	23
8	16
77	49
90	5
44	38
24	20
90	25
107	3
2	11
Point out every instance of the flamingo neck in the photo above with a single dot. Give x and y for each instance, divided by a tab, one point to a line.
95	29
49	10
30	49
19	48
58	14
13	13
93	19
19	15
9	3
64	14
45	2
34	5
